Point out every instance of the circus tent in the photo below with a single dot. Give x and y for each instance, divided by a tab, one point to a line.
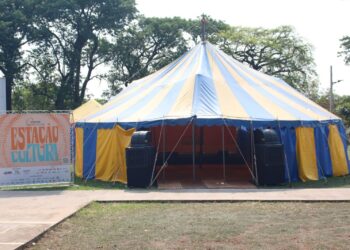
207	88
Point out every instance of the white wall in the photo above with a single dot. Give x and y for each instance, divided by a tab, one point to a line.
2	95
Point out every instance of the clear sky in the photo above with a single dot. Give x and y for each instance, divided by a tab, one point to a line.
322	23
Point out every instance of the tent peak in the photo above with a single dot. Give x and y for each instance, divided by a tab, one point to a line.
204	23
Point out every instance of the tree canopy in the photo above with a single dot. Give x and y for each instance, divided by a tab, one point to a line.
345	49
73	44
68	43
16	30
278	52
143	47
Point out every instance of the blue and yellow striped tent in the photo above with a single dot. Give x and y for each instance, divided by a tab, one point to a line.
207	87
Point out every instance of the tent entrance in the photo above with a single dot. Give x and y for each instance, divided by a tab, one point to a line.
207	176
219	163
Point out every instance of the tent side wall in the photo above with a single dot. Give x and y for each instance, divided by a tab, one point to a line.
103	149
100	153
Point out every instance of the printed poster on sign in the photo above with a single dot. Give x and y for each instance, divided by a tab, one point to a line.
34	148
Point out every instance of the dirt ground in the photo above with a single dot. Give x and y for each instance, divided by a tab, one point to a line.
241	225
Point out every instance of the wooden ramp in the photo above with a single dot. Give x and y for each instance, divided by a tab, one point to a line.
207	176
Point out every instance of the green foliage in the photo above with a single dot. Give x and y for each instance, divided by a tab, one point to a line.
278	52
341	106
73	42
143	47
16	30
69	39
345	49
39	96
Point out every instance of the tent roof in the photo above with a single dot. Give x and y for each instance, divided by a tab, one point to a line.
208	84
85	110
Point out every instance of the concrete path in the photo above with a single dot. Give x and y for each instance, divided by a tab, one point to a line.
26	214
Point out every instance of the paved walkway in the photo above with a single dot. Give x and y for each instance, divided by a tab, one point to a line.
26	214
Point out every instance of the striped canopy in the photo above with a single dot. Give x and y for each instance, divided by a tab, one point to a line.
210	87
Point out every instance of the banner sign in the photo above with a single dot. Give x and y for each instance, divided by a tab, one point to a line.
34	148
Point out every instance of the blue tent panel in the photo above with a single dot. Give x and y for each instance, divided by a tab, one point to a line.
289	140
344	139
324	162
89	152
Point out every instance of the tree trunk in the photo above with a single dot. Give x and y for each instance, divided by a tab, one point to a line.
9	84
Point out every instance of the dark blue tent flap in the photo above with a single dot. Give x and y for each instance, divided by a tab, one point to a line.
324	162
288	138
344	139
89	152
202	121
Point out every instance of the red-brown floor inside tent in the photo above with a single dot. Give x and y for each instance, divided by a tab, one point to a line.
206	176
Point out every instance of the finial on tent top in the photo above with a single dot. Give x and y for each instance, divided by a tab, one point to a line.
204	23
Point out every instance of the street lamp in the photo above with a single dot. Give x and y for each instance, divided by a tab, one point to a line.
331	97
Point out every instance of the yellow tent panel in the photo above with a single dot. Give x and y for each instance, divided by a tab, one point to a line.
79	141
85	110
110	154
306	154
337	152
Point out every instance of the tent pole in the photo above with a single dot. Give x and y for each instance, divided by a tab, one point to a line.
253	153
164	151
73	146
193	152
223	152
284	153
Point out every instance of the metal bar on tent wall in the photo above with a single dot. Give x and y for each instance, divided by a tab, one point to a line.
223	151
201	141
73	146
164	150
193	152
157	152
172	151
284	152
240	151
253	153
93	165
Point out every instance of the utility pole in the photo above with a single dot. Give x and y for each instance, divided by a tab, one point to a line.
331	97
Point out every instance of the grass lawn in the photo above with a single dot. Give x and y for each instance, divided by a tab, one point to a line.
244	225
79	184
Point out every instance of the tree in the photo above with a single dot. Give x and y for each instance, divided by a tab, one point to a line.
16	30
341	105
345	49
74	34
39	89
278	52
143	47
342	108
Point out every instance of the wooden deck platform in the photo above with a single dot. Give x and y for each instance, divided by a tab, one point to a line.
206	176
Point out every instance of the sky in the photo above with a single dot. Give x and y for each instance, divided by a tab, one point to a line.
322	23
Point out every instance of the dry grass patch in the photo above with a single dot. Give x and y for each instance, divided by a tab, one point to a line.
247	225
